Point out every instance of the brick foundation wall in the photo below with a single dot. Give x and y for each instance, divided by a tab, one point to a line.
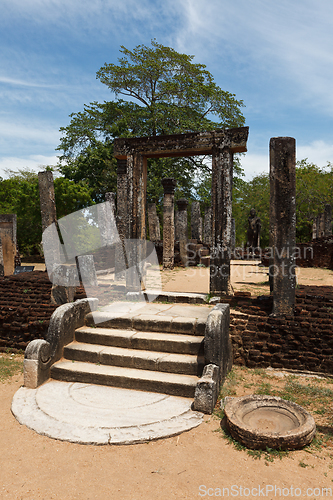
25	308
300	342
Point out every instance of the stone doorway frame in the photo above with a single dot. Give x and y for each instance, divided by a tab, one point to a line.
132	154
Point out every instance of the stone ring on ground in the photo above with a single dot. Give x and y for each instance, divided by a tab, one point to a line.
261	422
97	414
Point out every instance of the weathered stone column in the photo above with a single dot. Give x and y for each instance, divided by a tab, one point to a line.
153	223
233	234
122	210
111	199
8	224
222	169
283	223
314	228
207	239
169	185
107	220
51	241
122	219
47	199
136	195
318	226
182	229
322	225
196	222
328	219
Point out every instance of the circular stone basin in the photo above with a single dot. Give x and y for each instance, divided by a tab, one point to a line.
259	422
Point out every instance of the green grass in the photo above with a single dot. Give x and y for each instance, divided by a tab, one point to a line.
9	366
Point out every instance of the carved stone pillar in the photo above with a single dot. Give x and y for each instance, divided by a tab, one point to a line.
283	223
7	244
208	226
47	198
153	223
233	234
107	220
169	185
222	168
328	220
314	228
122	219
51	245
196	222
182	229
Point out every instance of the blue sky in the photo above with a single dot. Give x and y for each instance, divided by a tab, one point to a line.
275	56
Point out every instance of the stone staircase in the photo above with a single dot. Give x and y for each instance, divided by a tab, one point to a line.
157	352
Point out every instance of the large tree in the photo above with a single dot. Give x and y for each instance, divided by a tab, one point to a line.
165	93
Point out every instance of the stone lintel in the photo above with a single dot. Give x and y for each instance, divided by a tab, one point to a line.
190	144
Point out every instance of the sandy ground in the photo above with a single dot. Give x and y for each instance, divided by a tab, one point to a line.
244	277
196	464
182	467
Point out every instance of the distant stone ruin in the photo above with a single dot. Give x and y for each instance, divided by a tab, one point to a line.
253	232
322	224
8	244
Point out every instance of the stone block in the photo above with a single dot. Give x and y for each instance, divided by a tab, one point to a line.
87	270
218	348
207	390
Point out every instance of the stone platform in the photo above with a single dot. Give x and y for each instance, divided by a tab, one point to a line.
100	415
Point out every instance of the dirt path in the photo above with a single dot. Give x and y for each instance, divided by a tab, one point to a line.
244	277
183	467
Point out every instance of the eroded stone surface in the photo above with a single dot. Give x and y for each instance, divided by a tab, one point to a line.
90	414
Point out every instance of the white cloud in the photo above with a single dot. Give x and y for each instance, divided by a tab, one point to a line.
36	163
97	17
254	164
28	131
25	83
285	45
317	152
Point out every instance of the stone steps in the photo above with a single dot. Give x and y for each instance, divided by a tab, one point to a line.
135	349
135	358
130	378
149	322
132	339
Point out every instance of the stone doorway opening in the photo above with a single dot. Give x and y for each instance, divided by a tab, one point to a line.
132	155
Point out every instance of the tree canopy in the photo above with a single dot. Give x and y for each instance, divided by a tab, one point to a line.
20	195
314	189
165	93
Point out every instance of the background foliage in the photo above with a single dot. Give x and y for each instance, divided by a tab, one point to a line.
20	195
165	93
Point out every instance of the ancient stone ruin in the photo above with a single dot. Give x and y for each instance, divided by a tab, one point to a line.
253	232
8	244
132	155
283	224
168	223
322	224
